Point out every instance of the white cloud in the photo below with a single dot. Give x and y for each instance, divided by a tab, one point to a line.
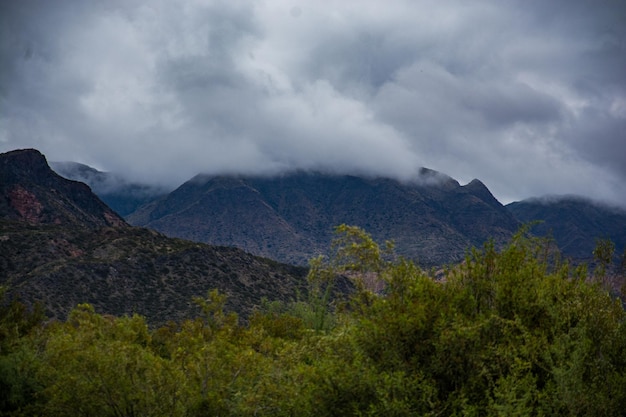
527	96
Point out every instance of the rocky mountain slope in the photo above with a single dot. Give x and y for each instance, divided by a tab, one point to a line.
433	219
60	245
575	223
31	192
133	270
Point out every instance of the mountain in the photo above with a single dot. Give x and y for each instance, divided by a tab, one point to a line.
61	245
123	196
291	217
575	223
134	270
31	192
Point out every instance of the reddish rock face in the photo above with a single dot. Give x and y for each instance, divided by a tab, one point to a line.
114	220
26	204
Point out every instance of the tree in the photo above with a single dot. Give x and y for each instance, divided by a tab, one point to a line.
103	366
603	255
19	361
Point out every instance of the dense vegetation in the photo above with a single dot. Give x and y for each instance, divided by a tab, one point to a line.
508	332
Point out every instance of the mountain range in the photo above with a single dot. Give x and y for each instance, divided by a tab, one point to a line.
61	245
291	217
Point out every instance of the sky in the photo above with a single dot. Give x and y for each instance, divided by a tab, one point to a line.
529	96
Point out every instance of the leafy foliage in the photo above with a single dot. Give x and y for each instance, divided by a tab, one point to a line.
507	332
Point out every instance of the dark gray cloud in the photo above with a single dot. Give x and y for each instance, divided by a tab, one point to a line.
528	96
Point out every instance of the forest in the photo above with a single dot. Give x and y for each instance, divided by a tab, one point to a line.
511	331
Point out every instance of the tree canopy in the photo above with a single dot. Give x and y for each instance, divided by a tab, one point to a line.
511	331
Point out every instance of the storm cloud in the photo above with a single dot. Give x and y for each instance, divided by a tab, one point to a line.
528	96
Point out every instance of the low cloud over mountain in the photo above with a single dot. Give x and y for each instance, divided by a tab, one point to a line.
529	96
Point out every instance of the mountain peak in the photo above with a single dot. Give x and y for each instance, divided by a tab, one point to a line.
31	192
23	164
479	189
431	177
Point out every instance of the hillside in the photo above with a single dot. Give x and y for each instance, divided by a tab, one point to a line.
575	223
31	192
61	245
133	270
291	217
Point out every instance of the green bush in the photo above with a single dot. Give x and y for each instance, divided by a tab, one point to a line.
507	332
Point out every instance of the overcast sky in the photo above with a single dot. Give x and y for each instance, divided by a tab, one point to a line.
529	96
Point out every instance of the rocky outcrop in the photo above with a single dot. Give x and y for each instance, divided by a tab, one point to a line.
31	192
